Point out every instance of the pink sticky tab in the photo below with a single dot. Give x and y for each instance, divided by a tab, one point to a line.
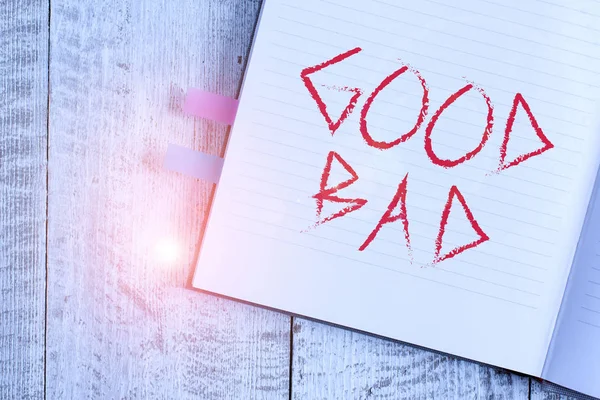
210	106
193	163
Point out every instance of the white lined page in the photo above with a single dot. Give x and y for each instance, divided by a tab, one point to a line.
574	356
505	291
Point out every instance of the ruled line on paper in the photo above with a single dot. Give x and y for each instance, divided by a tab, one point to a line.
478	210
371	112
450	230
399	176
452	218
559	133
444	172
429	71
342	129
567	8
478	251
439	130
395	20
405	162
475	194
438	59
478	113
438	73
416	207
503	33
529	167
383	239
590	310
589	323
513	8
381	267
479	195
470	166
430	168
418	40
379	252
472	250
392	228
386	254
357	79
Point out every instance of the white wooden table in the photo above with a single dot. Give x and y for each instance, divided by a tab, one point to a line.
90	95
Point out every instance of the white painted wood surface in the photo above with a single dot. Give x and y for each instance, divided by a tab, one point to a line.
23	117
330	363
120	322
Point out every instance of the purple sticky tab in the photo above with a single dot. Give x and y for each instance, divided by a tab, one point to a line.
211	106
193	163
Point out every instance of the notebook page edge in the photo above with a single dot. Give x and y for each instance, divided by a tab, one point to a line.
573	287
196	262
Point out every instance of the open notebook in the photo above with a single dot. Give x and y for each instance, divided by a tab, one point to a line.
422	171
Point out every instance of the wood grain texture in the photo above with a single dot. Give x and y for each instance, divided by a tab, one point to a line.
121	324
331	363
23	147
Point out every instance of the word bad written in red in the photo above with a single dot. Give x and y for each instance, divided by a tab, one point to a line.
396	210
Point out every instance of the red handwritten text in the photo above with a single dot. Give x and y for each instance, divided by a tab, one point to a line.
454	192
365	111
333	126
485	137
327	194
397	208
519	100
399	197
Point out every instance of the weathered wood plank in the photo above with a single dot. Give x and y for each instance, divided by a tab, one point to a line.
332	363
120	322
23	147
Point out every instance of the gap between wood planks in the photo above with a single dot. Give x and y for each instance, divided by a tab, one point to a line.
44	379
291	355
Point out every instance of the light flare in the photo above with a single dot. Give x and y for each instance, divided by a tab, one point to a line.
168	250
